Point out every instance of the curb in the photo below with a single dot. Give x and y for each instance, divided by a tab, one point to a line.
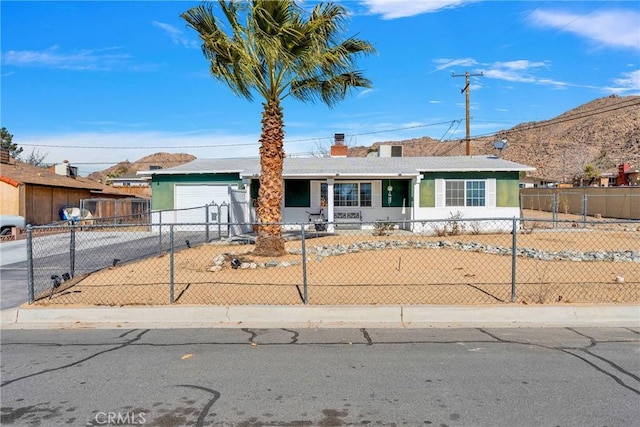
429	316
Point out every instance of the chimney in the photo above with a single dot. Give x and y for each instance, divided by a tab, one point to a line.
65	169
4	156
622	178
338	149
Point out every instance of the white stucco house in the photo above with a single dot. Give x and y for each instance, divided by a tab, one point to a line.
342	189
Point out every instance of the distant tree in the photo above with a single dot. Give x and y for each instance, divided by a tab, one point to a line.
591	173
36	158
7	143
275	49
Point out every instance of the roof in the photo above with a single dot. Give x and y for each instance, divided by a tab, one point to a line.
128	177
349	166
24	173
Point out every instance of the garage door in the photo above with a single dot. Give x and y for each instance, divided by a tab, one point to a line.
190	200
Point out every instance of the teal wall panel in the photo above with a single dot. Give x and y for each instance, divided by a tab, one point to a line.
162	186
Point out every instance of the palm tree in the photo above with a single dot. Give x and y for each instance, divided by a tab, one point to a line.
275	48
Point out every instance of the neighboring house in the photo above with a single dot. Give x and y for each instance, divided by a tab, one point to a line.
39	194
537	182
627	176
131	183
129	180
341	189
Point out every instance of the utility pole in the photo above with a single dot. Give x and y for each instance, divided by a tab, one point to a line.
466	75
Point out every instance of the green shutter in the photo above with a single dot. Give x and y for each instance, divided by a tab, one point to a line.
297	193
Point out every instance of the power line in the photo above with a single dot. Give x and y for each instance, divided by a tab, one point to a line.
566	118
532	126
575	116
235	144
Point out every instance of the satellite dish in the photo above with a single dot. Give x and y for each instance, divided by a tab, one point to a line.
500	145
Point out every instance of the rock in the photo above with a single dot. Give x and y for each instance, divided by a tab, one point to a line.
619	279
219	260
215	268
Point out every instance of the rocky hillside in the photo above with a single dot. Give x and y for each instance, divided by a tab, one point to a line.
164	160
603	133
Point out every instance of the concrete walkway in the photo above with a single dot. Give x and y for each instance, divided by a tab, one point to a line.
268	316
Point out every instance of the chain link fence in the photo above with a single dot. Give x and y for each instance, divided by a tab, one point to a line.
452	261
581	203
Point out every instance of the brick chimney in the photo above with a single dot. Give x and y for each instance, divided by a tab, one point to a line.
5	157
338	149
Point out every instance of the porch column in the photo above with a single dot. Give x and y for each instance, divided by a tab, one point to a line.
416	200
247	198
330	202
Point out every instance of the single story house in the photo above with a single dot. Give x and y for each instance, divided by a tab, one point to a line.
348	189
131	183
38	194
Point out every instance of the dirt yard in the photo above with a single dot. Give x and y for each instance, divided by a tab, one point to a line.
393	275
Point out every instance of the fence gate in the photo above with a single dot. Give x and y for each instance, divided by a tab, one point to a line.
239	213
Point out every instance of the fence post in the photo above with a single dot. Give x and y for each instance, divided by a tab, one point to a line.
160	227
514	232
219	216
72	250
171	283
585	197
30	280
554	209
206	221
305	297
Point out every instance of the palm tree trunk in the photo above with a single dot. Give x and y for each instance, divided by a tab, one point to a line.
270	241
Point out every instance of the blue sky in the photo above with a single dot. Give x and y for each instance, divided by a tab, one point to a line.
96	83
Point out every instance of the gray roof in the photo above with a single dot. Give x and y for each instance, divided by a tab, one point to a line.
349	166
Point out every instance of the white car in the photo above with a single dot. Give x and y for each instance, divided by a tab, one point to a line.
7	222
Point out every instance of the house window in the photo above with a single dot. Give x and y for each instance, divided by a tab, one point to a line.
348	194
465	193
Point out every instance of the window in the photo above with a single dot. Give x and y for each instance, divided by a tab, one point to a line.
365	194
297	193
349	194
465	193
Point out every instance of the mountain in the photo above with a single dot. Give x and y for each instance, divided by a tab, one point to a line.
604	133
164	160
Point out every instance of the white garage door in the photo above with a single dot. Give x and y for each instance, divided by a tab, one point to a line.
190	200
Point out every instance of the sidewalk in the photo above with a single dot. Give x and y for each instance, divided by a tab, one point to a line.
269	316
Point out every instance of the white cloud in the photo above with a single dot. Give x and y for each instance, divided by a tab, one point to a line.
629	83
82	60
611	28
392	9
444	63
522	71
92	151
364	92
177	36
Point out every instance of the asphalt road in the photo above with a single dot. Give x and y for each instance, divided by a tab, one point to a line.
322	377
